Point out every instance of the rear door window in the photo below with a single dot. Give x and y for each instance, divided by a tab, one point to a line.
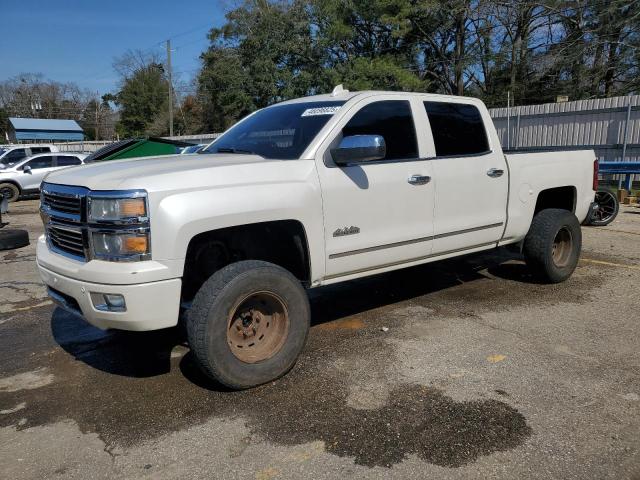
392	119
67	160
457	129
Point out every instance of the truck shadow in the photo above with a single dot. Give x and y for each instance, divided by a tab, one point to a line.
131	354
349	298
149	354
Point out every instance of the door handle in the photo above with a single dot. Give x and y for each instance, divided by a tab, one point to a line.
419	179
495	172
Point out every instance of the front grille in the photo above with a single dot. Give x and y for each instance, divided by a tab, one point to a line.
63	211
66	239
62	203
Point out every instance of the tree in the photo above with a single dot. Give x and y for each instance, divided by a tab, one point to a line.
264	53
143	97
272	50
30	95
363	44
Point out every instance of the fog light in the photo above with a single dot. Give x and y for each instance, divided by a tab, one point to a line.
115	301
109	302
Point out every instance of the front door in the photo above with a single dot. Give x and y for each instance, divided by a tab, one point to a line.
376	214
40	166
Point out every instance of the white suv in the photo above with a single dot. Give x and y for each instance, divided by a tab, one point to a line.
26	175
12	154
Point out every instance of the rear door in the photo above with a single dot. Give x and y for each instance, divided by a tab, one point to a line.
375	216
470	177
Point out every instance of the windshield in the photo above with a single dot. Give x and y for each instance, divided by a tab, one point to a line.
281	131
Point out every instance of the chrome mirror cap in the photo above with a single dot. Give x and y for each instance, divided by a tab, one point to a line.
359	148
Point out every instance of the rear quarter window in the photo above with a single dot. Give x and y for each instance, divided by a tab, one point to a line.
36	150
67	160
457	129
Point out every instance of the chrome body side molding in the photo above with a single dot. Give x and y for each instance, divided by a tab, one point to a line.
415	240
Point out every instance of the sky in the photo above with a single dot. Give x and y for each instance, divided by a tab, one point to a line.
77	40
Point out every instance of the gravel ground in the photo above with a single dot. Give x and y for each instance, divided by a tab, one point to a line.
478	373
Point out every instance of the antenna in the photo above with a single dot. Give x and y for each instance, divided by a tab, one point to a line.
338	90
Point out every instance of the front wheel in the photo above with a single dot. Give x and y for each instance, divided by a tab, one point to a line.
9	191
552	245
248	324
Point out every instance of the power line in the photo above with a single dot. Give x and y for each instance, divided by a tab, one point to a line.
100	75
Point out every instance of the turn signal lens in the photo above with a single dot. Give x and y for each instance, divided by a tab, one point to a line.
136	244
132	207
120	246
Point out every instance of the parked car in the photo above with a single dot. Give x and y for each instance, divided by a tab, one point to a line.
12	154
25	176
305	193
193	149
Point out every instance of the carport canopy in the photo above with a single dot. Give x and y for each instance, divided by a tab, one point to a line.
32	129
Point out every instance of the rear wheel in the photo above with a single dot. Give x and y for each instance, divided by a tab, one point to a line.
248	324
10	191
552	246
607	209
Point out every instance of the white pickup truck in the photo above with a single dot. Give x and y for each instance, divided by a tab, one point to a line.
304	193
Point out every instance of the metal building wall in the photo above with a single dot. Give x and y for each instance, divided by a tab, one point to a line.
610	126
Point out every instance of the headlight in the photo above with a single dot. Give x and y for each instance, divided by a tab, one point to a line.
119	225
117	209
120	245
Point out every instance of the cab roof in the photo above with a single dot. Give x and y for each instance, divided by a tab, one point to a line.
346	95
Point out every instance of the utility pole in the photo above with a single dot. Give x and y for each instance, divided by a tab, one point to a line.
97	111
170	88
508	120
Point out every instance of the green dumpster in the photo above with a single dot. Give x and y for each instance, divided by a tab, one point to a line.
137	147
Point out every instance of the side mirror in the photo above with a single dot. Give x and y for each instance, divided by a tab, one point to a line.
359	148
27	169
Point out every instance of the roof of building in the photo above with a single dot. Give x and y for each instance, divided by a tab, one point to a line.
45	129
45	124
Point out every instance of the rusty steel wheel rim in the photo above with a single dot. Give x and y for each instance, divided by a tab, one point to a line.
562	247
257	327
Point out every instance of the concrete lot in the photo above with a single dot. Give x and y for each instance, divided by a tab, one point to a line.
481	374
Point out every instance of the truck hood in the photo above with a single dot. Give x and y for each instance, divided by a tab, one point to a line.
162	173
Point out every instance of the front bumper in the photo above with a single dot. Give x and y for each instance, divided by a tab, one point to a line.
149	306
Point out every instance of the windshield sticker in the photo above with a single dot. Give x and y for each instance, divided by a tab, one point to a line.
312	112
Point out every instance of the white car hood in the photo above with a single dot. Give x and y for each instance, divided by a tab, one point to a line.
162	173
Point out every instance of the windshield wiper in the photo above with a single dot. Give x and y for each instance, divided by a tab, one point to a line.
234	150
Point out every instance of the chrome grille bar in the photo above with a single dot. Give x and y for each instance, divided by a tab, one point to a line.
62	208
